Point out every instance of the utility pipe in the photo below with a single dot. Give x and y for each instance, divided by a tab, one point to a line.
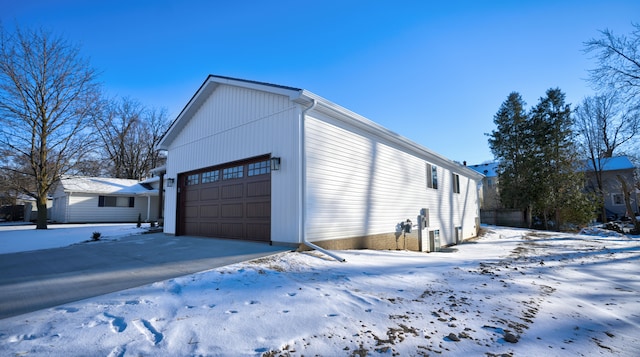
302	186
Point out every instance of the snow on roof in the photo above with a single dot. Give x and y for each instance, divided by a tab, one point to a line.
105	185
611	164
489	169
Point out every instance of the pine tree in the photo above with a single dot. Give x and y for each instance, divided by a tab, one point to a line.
555	154
511	145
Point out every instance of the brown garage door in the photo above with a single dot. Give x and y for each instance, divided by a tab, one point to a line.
227	201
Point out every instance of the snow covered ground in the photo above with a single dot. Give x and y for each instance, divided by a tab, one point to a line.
24	237
510	292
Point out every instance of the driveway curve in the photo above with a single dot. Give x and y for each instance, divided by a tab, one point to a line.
35	280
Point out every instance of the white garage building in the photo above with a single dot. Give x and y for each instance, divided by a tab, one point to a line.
257	161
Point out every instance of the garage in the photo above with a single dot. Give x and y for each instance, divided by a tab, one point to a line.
339	180
232	200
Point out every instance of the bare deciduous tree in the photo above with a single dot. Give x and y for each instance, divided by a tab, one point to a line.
618	59
48	98
129	133
617	72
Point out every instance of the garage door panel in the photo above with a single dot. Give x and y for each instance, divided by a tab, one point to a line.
259	189
210	193
210	211
209	229
191	212
234	210
259	230
259	210
234	206
231	230
193	195
233	191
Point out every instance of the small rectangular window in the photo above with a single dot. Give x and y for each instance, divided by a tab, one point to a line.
432	176
259	168
456	183
211	176
232	172
193	180
116	201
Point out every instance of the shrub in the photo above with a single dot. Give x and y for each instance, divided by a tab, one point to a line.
96	236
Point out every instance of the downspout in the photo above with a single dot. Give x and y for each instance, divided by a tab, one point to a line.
302	186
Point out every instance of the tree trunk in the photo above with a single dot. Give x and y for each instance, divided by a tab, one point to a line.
41	204
626	192
604	209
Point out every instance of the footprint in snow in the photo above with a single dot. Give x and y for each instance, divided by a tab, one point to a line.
146	328
292	294
117	323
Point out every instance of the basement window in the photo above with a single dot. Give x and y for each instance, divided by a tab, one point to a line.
116	201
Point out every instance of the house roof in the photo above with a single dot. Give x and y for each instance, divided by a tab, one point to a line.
303	97
490	169
610	164
104	185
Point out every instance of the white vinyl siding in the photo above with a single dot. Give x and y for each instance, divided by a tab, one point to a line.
359	185
83	207
238	123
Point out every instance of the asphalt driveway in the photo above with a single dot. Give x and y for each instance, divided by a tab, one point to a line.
35	280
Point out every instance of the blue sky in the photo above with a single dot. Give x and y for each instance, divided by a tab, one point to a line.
433	71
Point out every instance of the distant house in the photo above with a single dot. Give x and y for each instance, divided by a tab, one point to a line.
614	198
611	168
258	161
489	198
79	199
16	206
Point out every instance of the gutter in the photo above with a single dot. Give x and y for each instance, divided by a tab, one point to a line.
302	186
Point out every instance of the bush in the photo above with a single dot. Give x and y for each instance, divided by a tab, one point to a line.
96	236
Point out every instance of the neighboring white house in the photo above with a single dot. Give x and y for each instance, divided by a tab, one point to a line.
79	199
257	161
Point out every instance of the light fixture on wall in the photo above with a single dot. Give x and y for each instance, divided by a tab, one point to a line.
170	182
275	163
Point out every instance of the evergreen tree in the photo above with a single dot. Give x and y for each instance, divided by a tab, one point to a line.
555	170
539	167
511	144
